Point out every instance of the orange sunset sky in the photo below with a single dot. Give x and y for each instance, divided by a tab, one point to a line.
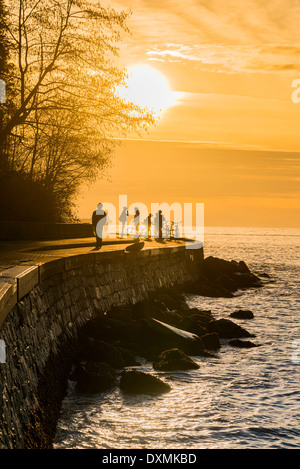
229	132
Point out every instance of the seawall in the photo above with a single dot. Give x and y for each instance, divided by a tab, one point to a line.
43	307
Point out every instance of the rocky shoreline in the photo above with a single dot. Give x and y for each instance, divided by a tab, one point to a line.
70	326
163	330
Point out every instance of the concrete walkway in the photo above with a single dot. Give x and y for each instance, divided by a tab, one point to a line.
14	253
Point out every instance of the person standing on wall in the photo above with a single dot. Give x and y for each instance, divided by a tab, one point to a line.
99	219
136	223
123	220
147	223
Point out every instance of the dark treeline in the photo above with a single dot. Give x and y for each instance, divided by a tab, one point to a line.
62	110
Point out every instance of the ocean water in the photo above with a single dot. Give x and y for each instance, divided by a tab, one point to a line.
247	398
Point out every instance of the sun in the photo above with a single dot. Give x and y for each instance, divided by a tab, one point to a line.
147	88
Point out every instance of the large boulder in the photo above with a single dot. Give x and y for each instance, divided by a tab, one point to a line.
171	299
138	382
206	287
172	317
242	314
264	275
221	278
174	359
227	329
191	324
162	335
156	309
122	313
128	357
204	315
196	321
242	343
112	329
98	350
214	267
94	377
226	282
149	308
246	280
211	341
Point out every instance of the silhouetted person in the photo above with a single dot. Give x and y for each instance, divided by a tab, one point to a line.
158	223
147	223
136	222
123	220
99	219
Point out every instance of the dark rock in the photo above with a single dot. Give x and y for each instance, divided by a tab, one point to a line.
211	341
128	357
148	351
158	336
215	267
98	350
111	329
242	343
174	359
120	312
175	337
242	266
227	329
264	275
149	308
94	377
196	321
212	291
246	280
191	324
242	314
221	278
225	281
204	316
172	300
200	352
138	382
172	317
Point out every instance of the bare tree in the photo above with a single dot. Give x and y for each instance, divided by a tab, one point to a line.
5	77
64	49
66	110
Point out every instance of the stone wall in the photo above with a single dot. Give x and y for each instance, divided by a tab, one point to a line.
41	328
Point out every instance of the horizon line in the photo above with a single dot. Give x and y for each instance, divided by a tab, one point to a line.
209	144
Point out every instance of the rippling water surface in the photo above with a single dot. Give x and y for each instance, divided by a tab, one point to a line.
247	398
